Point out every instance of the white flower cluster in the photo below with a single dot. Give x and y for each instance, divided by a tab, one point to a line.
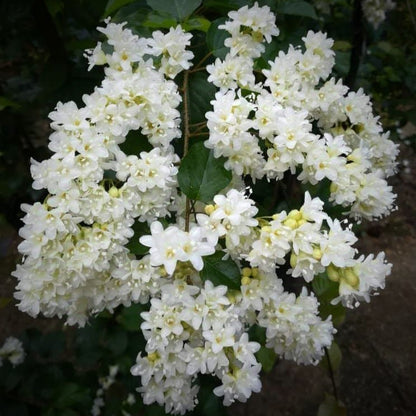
375	10
289	118
295	119
196	329
12	350
316	244
74	242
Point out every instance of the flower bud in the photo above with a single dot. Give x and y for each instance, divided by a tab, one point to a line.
333	273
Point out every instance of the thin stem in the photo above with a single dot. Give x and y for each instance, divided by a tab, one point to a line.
202	123
203	126
199	134
186	139
202	68
193	209
331	374
187	213
198	65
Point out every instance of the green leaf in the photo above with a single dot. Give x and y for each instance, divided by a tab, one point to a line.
208	403
257	333
341	45
7	102
139	228
266	357
179	9
342	62
201	176
221	272
51	345
326	290
70	394
335	356
130	318
331	407
216	38
135	143
135	15
116	341
157	20
297	8
54	6
114	5
201	92
197	23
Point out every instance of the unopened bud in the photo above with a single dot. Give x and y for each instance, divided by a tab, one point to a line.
245	280
114	192
293	260
333	273
255	272
291	223
317	253
246	271
351	278
295	214
209	209
333	187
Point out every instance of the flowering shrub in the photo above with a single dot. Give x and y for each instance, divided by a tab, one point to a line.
176	223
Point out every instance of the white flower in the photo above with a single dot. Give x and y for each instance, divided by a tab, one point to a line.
171	245
12	349
239	384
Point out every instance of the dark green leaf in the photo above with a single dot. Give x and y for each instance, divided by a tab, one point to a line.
156	20
139	228
208	403
331	407
114	5
221	272
54	6
335	356
201	92
135	15
70	394
176	8
326	291
297	8
51	345
116	341
135	143
201	176
342	62
266	357
216	38
257	333
7	102
197	23
130	318
155	410
341	45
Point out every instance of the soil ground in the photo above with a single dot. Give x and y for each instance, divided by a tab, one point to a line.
378	340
